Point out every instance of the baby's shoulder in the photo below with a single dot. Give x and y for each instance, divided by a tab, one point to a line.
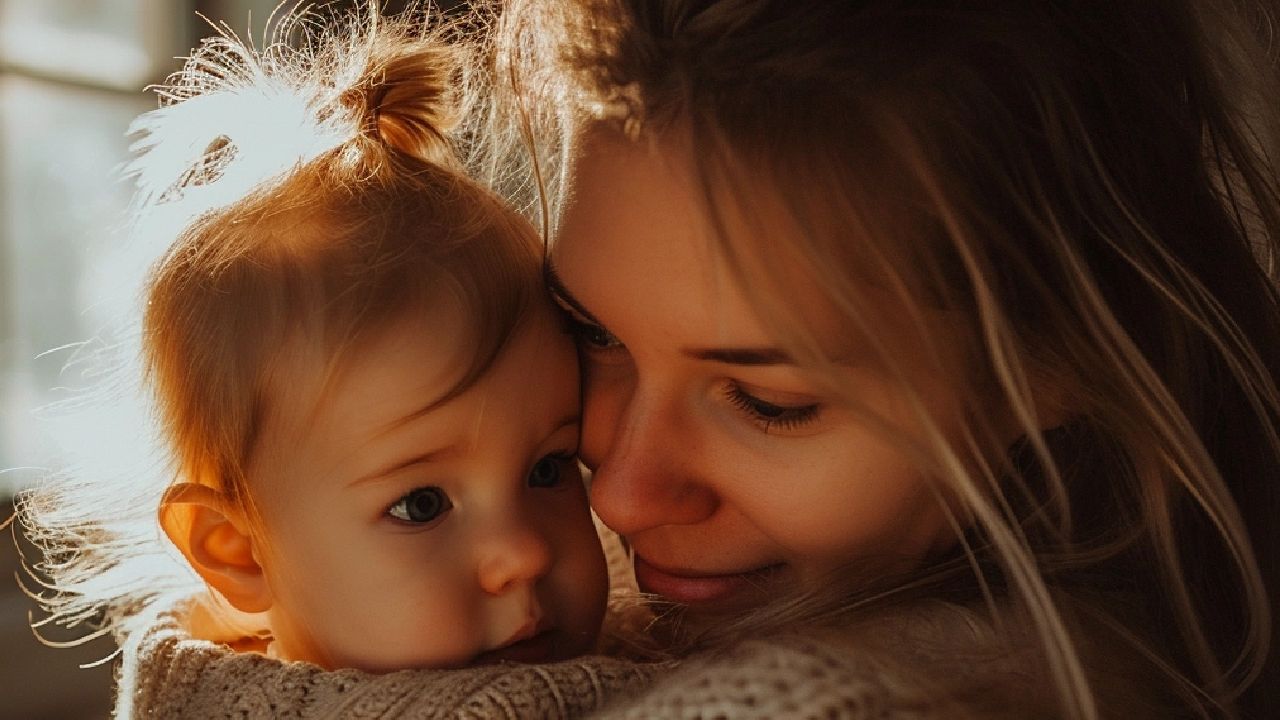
167	673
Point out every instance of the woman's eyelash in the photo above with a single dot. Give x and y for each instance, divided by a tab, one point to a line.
590	335
770	415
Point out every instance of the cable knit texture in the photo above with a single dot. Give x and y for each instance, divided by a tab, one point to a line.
932	660
929	661
174	676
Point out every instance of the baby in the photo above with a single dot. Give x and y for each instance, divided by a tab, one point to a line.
372	407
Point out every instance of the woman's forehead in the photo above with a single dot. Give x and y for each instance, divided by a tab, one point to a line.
633	231
641	207
636	246
637	251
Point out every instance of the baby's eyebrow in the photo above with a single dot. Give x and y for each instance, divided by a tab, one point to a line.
571	420
419	459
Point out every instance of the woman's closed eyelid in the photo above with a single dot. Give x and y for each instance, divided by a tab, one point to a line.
590	335
598	337
771	415
572	313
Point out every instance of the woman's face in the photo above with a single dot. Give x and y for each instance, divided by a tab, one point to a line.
730	471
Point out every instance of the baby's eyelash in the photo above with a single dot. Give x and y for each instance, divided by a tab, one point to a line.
420	506
770	415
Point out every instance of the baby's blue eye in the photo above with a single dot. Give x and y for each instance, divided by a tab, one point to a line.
421	505
546	472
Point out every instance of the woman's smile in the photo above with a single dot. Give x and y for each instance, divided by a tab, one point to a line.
699	588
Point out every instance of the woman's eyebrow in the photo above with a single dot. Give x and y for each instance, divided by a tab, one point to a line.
727	355
740	355
557	288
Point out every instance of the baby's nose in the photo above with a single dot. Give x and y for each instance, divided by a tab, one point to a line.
511	556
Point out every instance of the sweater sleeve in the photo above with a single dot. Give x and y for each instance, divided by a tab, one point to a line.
169	675
775	678
932	662
928	663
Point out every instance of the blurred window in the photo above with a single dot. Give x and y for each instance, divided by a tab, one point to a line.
72	76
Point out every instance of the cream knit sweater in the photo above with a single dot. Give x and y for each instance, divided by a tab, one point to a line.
930	661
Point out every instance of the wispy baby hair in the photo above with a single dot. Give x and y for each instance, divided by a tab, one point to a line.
308	194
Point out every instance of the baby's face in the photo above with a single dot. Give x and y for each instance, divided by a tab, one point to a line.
404	535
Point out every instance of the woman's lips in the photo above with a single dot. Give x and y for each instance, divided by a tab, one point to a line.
691	587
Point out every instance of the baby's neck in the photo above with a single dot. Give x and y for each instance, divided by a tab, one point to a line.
210	619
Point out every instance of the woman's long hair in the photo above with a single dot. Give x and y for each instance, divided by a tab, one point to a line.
1085	192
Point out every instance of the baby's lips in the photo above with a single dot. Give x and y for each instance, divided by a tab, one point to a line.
525	617
531	627
534	641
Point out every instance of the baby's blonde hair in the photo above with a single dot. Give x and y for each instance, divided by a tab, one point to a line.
311	193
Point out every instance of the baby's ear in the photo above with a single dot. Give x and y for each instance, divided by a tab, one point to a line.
214	537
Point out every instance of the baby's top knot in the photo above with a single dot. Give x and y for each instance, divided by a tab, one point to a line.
363	86
406	97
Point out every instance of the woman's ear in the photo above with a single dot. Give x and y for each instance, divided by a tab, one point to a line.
215	539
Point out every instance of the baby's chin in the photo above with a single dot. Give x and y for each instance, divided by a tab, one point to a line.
546	646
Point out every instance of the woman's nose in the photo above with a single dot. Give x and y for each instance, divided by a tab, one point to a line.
644	461
511	554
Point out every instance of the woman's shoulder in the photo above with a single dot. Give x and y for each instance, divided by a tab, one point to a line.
926	660
167	673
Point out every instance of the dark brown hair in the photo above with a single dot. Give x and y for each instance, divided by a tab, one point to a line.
1090	187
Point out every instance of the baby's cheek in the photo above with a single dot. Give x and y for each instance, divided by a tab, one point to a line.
586	587
378	607
426	626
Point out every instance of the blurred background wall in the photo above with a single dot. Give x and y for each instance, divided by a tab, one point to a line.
72	76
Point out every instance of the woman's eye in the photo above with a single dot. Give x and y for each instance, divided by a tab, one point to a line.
421	505
548	472
592	337
771	415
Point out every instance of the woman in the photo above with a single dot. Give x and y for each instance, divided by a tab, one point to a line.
929	316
